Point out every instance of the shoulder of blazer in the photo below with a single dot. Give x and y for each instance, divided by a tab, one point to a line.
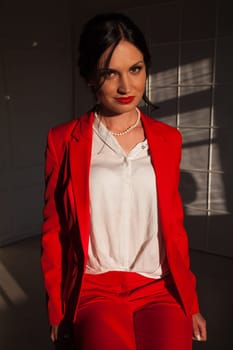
168	133
62	133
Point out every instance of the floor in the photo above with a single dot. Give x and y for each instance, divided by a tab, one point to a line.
23	322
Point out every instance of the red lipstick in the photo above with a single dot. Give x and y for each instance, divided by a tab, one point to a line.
125	100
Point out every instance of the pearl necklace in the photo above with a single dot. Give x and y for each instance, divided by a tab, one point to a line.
122	133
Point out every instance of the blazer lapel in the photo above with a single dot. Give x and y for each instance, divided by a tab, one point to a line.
80	156
161	157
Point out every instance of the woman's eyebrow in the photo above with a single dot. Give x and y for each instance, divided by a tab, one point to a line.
109	69
139	62
106	70
134	64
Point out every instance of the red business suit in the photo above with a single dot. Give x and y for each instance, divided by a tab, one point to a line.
67	220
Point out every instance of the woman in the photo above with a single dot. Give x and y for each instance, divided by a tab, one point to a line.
114	250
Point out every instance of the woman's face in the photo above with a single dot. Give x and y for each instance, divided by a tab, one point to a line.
124	79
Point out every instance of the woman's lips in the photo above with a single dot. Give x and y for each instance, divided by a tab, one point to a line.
125	100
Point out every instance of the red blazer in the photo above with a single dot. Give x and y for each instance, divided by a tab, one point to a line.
66	226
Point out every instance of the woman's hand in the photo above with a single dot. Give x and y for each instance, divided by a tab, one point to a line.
199	327
54	333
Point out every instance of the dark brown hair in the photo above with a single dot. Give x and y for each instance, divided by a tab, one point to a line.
102	32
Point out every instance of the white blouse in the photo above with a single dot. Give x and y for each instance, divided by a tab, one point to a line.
125	232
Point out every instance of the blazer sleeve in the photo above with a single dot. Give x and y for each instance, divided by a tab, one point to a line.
51	254
181	236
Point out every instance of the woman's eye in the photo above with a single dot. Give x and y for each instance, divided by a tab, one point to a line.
110	74
136	69
106	74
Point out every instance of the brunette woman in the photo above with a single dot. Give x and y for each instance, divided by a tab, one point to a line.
115	255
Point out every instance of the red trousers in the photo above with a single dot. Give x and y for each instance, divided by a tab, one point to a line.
127	311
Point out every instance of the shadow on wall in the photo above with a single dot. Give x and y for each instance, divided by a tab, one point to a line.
201	111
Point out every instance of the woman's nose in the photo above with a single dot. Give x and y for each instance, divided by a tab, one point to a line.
124	85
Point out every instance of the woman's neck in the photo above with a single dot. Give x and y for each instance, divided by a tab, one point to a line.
120	122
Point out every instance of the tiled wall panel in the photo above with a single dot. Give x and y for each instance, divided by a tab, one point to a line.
191	82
